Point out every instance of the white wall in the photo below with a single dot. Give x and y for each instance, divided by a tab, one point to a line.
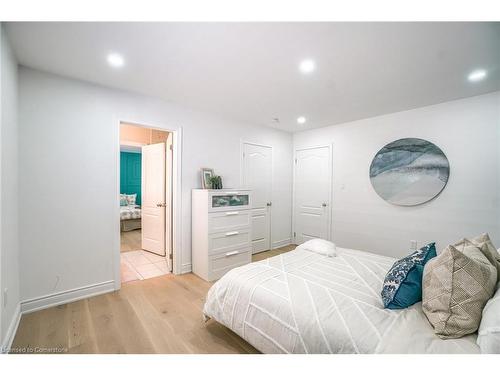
9	249
68	174
468	132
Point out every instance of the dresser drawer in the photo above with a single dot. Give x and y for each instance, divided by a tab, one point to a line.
228	200
222	241
220	264
228	221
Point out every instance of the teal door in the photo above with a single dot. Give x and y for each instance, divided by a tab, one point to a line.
130	174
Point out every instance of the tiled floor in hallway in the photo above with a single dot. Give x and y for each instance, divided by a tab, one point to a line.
140	265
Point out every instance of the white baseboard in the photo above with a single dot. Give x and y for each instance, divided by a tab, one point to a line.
186	268
11	331
281	243
67	296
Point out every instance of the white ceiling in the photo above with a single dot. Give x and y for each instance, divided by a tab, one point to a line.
249	71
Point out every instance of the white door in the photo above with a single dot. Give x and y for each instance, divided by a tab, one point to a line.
168	200
153	198
257	176
313	175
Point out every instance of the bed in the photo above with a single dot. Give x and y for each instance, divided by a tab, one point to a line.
304	302
130	218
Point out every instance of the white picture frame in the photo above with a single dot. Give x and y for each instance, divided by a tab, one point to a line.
206	173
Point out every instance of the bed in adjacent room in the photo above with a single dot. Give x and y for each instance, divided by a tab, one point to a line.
130	218
305	302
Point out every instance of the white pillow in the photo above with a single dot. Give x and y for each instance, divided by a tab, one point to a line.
488	337
319	246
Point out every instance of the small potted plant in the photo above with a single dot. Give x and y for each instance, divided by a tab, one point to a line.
215	182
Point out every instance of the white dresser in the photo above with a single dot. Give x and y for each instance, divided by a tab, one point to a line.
221	231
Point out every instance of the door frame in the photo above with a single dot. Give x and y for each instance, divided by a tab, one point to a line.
242	173
330	188
176	194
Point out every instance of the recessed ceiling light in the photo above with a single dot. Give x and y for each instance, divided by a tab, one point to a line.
301	120
477	75
115	60
307	66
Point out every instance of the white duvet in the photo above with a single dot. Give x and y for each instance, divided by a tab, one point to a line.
303	302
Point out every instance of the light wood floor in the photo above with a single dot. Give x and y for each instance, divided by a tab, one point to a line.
158	315
130	241
272	253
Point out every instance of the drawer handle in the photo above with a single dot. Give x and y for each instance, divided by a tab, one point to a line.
232	253
232	213
232	233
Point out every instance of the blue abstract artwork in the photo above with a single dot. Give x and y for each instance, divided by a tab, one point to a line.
409	171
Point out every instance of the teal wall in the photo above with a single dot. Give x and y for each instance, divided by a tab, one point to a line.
130	174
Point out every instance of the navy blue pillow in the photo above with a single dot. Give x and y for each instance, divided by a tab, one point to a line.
403	283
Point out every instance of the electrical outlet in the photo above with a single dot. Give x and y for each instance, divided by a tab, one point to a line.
413	244
4	297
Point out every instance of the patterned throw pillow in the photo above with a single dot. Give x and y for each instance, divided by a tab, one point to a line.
130	199
456	287
491	252
403	283
123	200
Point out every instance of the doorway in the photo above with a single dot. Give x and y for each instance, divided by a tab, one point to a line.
257	172
146	202
312	193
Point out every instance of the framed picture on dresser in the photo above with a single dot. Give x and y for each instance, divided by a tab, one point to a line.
206	173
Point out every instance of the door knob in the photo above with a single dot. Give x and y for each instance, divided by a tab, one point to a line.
161	205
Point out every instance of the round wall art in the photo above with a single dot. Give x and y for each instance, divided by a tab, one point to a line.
409	171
